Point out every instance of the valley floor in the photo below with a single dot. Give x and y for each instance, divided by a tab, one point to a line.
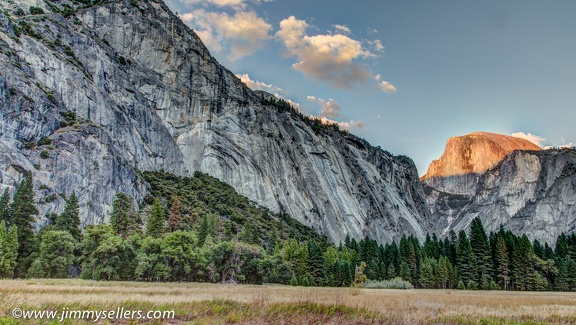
202	303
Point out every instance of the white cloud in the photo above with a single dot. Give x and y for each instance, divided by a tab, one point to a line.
244	32
294	104
346	125
329	108
342	29
331	58
258	85
537	140
387	87
325	57
377	45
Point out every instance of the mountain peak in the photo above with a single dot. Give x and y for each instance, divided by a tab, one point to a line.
475	153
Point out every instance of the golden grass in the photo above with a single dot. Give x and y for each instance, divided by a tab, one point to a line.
205	303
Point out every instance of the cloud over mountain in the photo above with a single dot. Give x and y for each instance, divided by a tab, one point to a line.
244	31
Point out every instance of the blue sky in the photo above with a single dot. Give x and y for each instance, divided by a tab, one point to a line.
405	75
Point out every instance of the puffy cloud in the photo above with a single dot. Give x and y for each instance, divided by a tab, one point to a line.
244	31
325	57
537	140
342	28
330	108
257	85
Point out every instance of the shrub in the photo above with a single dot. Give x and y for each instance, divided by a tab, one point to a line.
44	141
472	285
396	283
44	154
70	118
36	11
461	285
493	286
51	97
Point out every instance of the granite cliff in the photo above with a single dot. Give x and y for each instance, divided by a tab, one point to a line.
528	191
466	157
93	91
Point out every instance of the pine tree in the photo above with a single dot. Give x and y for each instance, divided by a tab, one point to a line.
464	258
155	222
561	246
428	273
5	206
347	241
502	262
124	220
482	267
203	230
22	211
450	244
443	271
69	220
8	250
174	222
391	271
316	263
405	272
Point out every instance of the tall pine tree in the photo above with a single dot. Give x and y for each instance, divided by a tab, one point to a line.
155	222
8	250
502	261
5	206
124	220
22	212
464	258
69	220
482	257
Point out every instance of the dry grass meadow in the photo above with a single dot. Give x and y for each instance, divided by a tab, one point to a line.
203	303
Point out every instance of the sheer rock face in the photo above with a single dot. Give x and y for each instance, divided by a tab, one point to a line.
529	192
466	157
148	95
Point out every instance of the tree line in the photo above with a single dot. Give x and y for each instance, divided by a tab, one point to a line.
200	229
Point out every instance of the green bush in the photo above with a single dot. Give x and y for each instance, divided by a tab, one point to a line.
44	154
396	283
44	141
461	285
36	11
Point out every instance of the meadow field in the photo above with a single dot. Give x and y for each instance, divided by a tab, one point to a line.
203	303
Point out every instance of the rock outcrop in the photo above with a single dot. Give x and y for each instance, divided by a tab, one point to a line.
466	157
147	95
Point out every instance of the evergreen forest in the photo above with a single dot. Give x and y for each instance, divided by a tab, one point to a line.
200	229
